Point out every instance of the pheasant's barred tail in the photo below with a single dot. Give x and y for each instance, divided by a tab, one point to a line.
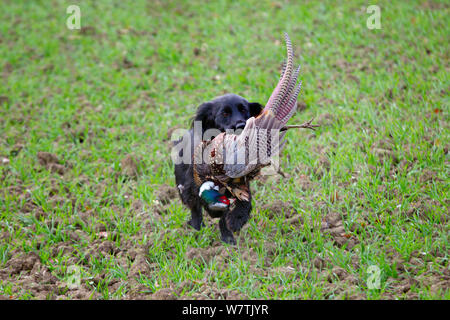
283	101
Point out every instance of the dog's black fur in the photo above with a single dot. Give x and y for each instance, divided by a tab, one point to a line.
227	112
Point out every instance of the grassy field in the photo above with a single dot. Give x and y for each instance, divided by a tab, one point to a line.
88	206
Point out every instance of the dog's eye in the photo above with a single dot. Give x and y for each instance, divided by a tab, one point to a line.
226	112
241	108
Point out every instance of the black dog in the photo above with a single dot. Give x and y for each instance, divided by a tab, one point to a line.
227	112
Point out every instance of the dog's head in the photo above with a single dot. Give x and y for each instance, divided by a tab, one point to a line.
229	111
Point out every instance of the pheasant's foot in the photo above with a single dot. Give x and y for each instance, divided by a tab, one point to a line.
306	125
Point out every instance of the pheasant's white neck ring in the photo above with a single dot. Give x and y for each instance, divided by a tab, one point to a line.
208	185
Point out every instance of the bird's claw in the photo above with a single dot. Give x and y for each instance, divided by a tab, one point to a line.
308	125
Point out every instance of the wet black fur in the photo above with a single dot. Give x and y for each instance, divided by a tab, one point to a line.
225	112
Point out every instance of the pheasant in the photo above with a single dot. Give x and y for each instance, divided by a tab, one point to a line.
230	160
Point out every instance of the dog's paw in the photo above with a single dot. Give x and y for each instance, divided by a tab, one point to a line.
229	239
197	225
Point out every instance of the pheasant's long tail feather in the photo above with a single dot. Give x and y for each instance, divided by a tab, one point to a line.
281	88
291	105
283	101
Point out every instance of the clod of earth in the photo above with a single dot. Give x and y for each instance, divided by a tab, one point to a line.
50	162
129	166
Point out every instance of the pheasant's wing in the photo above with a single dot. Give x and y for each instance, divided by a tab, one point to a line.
252	149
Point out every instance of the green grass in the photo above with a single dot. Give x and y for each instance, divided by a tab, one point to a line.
378	165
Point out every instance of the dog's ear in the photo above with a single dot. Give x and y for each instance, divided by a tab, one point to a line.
205	114
255	108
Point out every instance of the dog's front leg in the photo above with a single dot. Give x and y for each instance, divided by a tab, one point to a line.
234	220
196	217
239	216
226	235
